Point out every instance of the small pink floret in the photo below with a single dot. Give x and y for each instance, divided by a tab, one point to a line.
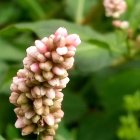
61	31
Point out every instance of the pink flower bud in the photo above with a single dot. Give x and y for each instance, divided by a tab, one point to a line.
54	82
27	130
22	87
58	114
19	123
48	75
59	95
47	66
22	99
49	119
13	98
41	46
41	57
68	63
39	77
39	111
59	71
50	93
62	50
38	103
35	68
32	51
57	120
73	39
57	58
29	114
61	31
47	102
45	40
60	41
36	118
46	110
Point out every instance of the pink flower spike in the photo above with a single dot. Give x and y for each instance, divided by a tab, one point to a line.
73	39
40	46
61	31
35	67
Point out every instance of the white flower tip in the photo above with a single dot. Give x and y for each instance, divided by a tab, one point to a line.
41	46
49	119
61	31
34	67
19	123
73	39
62	50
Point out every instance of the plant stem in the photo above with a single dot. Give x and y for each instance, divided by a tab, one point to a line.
44	137
79	13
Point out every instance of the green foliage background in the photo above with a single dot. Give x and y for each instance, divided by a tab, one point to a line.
102	100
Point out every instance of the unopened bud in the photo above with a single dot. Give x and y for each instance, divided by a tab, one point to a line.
27	130
22	99
73	39
50	93
38	103
41	46
48	75
47	66
49	119
57	58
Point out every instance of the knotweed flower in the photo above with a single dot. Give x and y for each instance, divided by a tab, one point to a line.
114	8
120	24
37	88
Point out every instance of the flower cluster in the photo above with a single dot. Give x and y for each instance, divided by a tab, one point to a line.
37	88
120	24
114	8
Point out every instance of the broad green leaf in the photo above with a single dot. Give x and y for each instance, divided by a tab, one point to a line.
9	52
134	18
1	138
7	78
90	57
74	106
113	87
12	132
97	126
93	52
63	134
6	113
45	28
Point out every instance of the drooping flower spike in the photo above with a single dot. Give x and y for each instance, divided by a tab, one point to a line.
115	8
37	88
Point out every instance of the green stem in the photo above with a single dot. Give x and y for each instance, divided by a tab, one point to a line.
79	13
44	137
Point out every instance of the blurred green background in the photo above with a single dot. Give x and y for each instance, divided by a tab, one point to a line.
102	100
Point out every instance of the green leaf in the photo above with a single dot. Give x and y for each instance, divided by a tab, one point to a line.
1	138
97	126
7	79
45	28
74	107
12	132
6	113
90	57
9	52
114	85
63	134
